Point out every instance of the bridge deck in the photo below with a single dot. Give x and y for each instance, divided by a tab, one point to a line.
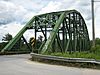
20	65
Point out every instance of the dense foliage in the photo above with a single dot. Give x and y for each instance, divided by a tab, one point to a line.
7	37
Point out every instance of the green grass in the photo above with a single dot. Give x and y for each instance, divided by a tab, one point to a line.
94	53
78	55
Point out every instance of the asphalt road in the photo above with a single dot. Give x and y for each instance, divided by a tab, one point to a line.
21	65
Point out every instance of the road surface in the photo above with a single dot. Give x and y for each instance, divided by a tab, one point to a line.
21	65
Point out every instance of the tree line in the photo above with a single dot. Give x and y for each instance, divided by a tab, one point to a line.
20	45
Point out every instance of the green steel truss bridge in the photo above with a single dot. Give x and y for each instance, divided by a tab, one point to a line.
67	32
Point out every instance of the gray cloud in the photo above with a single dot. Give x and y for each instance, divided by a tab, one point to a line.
9	12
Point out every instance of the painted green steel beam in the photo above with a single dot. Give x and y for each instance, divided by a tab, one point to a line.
59	43
53	33
67	45
18	36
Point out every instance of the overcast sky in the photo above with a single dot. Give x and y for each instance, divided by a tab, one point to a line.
15	13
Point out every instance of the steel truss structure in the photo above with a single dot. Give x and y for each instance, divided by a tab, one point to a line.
68	32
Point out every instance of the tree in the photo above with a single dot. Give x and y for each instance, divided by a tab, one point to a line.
97	40
40	38
7	37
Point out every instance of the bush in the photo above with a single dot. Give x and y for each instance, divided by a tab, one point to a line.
96	49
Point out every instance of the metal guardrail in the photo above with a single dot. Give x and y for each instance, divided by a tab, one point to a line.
57	58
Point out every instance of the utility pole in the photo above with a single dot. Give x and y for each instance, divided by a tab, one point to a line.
93	24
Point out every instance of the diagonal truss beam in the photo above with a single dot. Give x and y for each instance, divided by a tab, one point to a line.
53	33
18	36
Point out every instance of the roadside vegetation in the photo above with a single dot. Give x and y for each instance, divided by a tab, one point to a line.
93	53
